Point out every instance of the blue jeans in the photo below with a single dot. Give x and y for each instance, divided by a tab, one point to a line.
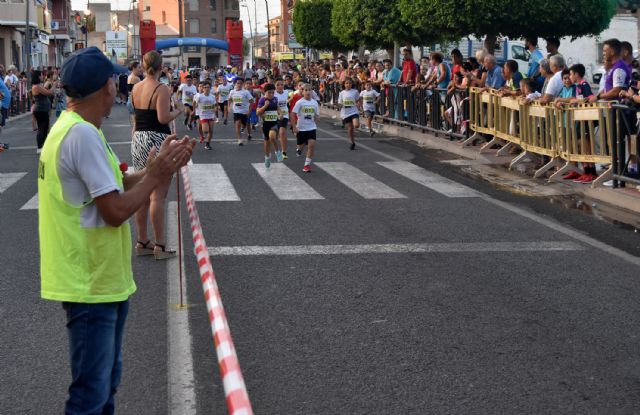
95	343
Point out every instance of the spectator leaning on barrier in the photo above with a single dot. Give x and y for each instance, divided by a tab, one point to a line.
617	78
409	71
494	73
391	74
554	85
512	79
85	202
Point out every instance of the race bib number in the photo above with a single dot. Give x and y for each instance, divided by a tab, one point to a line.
224	92
368	99
207	107
308	112
271	116
237	100
349	103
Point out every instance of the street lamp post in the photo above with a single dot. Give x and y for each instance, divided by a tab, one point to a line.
27	47
253	41
266	3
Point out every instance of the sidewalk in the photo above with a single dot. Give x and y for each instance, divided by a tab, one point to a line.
494	169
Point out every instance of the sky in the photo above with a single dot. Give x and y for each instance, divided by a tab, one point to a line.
259	5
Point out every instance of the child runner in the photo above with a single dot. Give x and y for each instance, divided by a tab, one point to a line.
186	92
206	103
268	109
347	101
223	97
240	99
257	93
304	116
196	111
253	118
370	98
282	95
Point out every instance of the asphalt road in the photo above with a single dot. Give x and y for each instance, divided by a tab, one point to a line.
398	286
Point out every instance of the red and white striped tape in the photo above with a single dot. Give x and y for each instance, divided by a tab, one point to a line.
234	388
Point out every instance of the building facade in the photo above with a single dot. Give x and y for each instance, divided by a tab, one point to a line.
13	45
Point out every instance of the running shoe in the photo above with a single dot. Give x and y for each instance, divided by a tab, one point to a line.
571	176
267	162
279	156
225	122
589	179
284	156
352	146
240	143
190	127
298	152
207	146
372	133
307	168
249	137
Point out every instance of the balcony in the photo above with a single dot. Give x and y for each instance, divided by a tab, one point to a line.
59	27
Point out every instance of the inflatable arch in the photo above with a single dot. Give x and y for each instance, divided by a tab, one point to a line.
192	41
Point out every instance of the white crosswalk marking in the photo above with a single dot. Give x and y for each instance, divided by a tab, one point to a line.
210	183
428	179
32	204
8	179
285	183
360	182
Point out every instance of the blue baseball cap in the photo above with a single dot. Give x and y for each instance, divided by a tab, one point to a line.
86	71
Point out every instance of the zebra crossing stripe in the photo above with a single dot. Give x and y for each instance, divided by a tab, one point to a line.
210	183
8	179
285	183
428	179
32	204
360	182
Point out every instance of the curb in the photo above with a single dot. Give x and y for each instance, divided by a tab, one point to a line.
493	169
15	118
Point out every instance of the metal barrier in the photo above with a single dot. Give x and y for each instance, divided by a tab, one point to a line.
20	99
626	146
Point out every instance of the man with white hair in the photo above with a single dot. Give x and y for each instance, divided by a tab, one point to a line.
494	73
552	91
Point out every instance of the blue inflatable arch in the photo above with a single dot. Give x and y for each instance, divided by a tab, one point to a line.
192	41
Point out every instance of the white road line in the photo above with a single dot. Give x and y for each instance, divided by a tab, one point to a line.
551	224
180	377
428	179
8	179
395	248
360	182
285	183
32	204
210	183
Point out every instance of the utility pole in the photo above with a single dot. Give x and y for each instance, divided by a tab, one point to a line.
182	23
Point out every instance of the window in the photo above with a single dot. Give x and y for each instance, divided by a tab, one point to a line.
231	5
164	17
212	4
194	26
214	26
193	5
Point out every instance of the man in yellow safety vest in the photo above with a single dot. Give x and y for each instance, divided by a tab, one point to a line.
85	201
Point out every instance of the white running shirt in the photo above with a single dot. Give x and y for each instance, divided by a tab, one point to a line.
283	110
348	100
188	92
306	110
206	105
240	101
223	92
369	99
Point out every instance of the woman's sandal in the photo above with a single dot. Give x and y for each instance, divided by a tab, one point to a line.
164	253
143	248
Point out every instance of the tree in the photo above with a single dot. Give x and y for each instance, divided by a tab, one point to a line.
512	18
312	26
378	24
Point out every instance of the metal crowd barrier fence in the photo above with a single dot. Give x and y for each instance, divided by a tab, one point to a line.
566	135
433	110
626	146
20	99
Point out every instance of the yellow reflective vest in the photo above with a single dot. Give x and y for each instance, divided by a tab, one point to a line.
78	264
